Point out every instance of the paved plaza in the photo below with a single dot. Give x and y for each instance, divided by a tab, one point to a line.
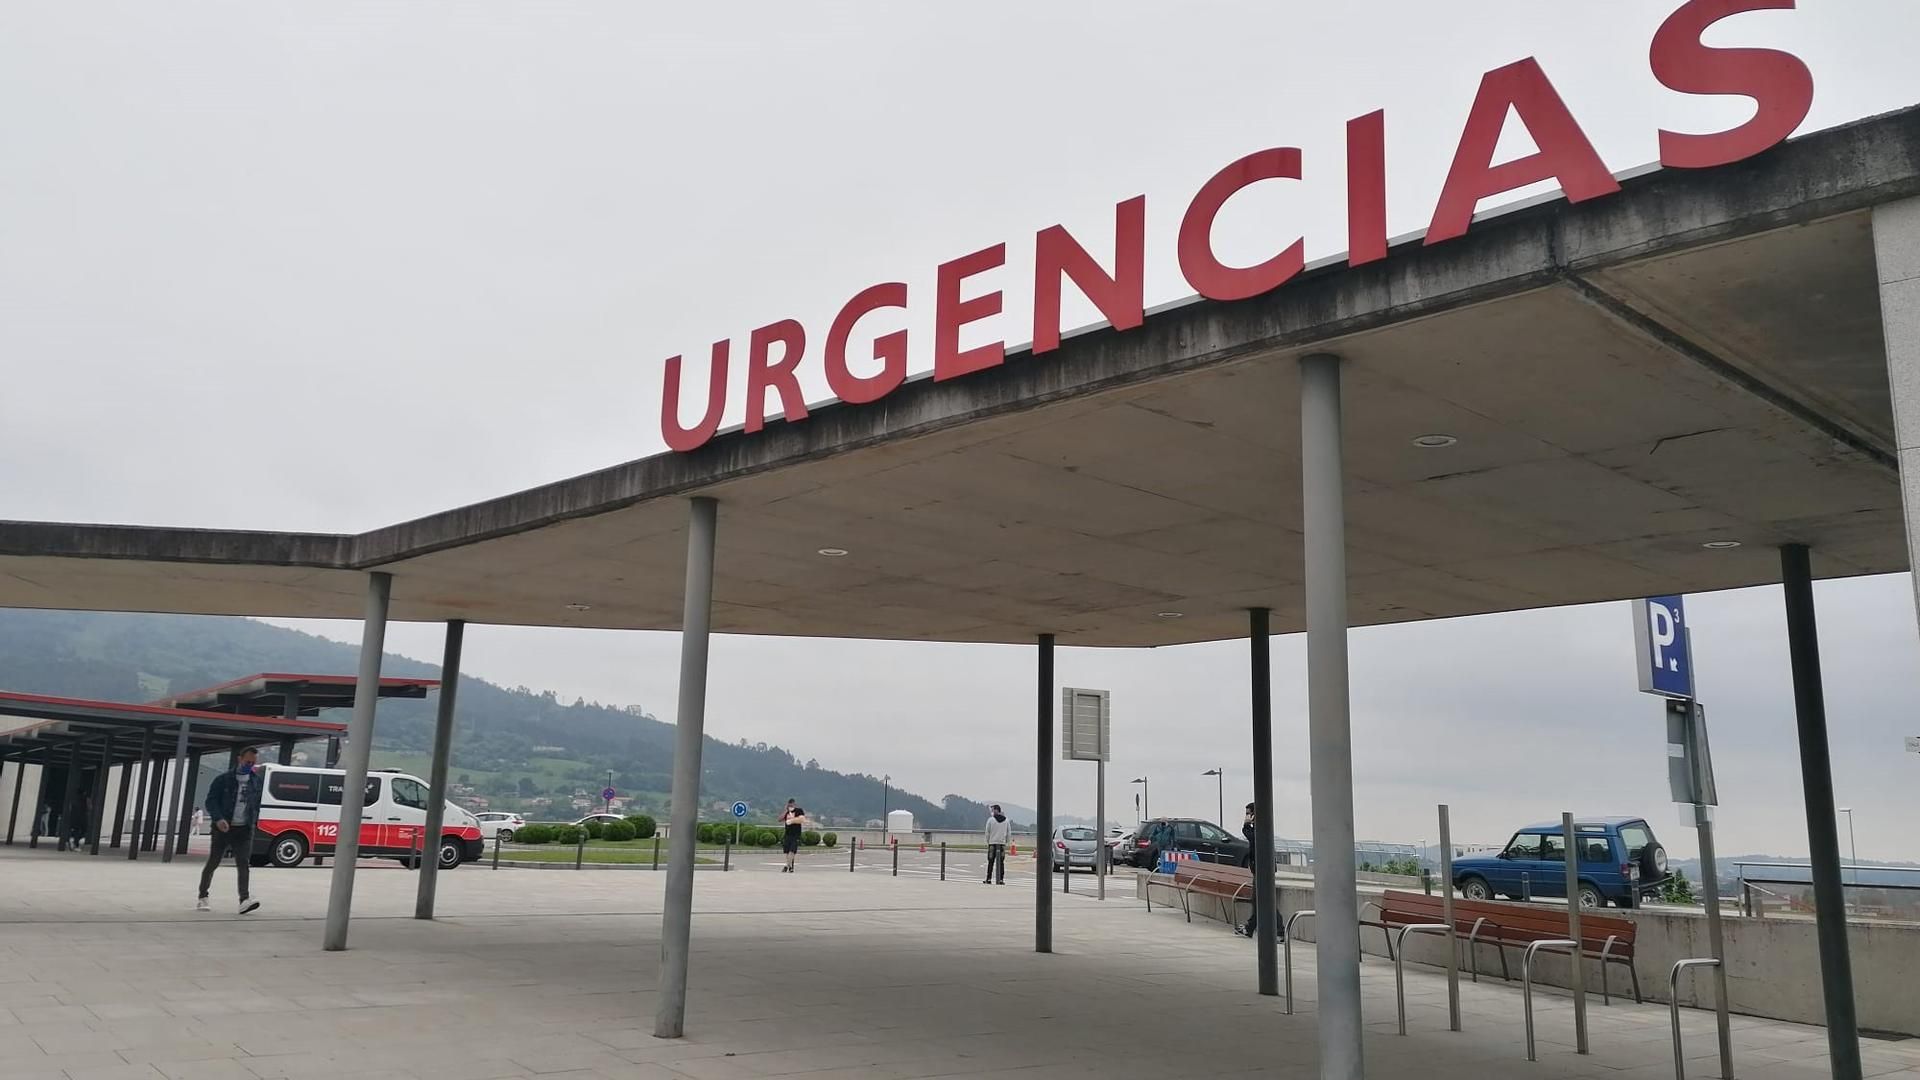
107	974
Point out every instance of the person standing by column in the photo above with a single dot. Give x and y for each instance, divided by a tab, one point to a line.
233	805
999	834
795	820
1248	829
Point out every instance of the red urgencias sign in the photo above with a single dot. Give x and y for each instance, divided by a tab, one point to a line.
1778	82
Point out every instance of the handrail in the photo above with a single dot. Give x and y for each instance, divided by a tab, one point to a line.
1286	946
1526	979
1673	1008
1400	964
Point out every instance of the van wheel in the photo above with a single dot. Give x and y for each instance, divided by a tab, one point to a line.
1476	888
1590	898
450	853
289	850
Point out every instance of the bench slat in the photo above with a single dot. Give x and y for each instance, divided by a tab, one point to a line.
1514	924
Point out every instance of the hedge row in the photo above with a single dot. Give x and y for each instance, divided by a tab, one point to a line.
637	827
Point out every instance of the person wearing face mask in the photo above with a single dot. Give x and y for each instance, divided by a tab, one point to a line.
233	805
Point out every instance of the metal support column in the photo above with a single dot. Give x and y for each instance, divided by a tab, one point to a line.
1570	837
437	772
690	720
183	814
1446	916
127	791
1043	805
150	822
179	782
97	817
70	798
19	781
1266	913
40	798
1823	836
353	792
1329	728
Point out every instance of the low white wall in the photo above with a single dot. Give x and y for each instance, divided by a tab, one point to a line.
1773	964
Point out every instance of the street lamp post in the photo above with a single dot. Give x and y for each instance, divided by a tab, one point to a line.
1220	776
1852	845
1146	804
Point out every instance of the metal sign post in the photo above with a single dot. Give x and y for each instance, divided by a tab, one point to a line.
739	814
1086	734
1665	666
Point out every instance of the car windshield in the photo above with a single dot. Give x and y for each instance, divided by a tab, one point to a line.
1076	834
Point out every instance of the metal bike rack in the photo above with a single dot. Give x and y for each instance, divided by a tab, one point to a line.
1286	947
1526	979
1673	1008
1400	964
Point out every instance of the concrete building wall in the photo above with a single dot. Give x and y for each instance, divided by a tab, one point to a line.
1773	964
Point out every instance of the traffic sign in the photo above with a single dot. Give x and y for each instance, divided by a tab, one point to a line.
608	794
1665	656
1086	724
739	809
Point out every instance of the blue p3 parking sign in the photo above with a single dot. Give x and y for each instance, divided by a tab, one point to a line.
1660	639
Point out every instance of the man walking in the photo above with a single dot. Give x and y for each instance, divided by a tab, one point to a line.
1249	829
795	820
233	805
999	833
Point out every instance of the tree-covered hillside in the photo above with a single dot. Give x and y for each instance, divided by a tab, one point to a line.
512	746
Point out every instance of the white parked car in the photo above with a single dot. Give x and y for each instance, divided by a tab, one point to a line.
497	824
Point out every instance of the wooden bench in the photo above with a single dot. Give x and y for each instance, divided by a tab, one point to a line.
1507	925
1230	885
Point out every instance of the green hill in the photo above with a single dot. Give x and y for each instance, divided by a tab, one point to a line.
127	657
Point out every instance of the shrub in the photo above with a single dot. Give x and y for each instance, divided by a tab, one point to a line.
596	829
617	831
568	834
643	826
534	834
704	833
810	838
769	837
830	839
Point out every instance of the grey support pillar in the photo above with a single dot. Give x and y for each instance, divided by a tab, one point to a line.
183	814
1823	836
353	793
1266	913
127	791
690	719
437	772
19	782
1896	250
97	819
70	798
1329	731
179	782
1043	804
40	798
150	824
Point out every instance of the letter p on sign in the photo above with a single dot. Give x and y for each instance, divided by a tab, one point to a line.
1663	652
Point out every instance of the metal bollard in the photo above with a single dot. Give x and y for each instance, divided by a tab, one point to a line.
1526	886
580	850
496	851
1426	880
726	855
943	860
1066	877
656	851
419	848
896	857
852	850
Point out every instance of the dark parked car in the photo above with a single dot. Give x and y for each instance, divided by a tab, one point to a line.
1207	840
1619	857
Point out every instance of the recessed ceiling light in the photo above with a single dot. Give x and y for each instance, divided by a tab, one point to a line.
1434	441
1168	614
1720	545
833	553
576	606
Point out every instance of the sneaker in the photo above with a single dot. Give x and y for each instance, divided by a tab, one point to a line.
248	907
202	905
1240	930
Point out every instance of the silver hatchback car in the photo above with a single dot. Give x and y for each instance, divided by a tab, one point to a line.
1075	847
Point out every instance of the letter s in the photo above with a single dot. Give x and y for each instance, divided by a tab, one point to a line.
1778	82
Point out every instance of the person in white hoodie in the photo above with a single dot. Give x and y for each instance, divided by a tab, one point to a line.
999	834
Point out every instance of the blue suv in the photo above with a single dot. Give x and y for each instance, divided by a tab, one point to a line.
1620	861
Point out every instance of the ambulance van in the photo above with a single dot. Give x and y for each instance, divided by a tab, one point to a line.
300	818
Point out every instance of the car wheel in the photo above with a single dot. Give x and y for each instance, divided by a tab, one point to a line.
289	850
1590	898
450	853
505	836
1476	888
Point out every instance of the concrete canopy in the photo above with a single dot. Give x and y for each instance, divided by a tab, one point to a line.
1696	359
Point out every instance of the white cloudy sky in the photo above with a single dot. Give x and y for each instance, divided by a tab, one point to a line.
327	268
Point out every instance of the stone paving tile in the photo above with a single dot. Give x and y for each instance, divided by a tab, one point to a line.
105	971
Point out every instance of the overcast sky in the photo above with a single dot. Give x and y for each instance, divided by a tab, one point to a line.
304	267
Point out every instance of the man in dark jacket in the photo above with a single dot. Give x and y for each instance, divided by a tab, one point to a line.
233	806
